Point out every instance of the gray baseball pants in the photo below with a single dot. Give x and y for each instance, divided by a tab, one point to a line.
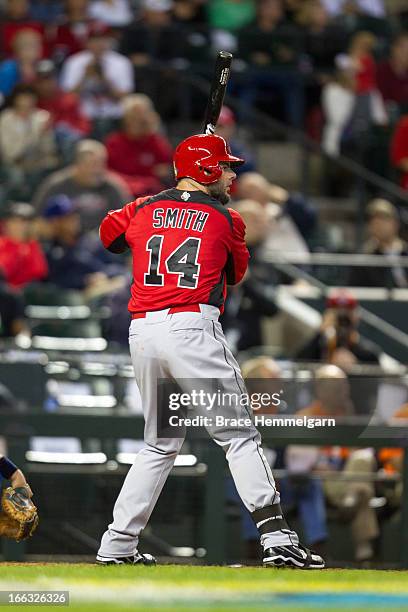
185	347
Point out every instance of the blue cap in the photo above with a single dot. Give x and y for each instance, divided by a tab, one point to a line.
58	206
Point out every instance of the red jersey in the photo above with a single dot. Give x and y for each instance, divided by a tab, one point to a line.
186	248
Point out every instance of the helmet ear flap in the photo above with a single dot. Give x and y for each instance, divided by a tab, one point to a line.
205	171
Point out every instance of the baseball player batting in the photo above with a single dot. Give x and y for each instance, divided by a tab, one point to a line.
187	246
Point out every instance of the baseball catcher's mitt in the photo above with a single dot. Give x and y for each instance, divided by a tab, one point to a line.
18	515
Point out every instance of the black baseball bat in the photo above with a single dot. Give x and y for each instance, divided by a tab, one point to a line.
217	91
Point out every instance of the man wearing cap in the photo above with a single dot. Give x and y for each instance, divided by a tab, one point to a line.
72	264
383	239
99	75
338	340
21	257
154	37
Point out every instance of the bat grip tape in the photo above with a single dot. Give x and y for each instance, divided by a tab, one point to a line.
269	518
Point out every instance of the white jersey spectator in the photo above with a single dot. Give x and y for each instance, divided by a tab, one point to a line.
375	8
100	76
338	102
115	13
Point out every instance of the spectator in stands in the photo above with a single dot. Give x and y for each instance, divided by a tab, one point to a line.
16	18
383	239
158	47
292	8
293	219
93	189
399	150
391	460
190	11
198	39
254	298
153	37
139	153
27	142
70	34
115	13
338	341
12	316
369	7
99	75
71	264
359	58
322	39
352	125
67	119
227	128
21	68
46	11
21	257
356	498
392	73
338	103
271	50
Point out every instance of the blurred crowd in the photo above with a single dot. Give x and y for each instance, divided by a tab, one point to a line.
88	92
359	487
338	69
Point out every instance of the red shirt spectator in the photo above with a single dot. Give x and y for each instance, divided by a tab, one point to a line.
71	35
392	74
399	150
137	156
138	152
366	76
16	18
362	60
63	107
9	31
21	258
22	262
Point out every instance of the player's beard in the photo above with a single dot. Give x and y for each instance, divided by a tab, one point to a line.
219	193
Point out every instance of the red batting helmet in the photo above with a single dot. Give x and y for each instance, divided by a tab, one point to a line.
198	157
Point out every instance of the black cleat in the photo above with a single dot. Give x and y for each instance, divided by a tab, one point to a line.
137	559
292	556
